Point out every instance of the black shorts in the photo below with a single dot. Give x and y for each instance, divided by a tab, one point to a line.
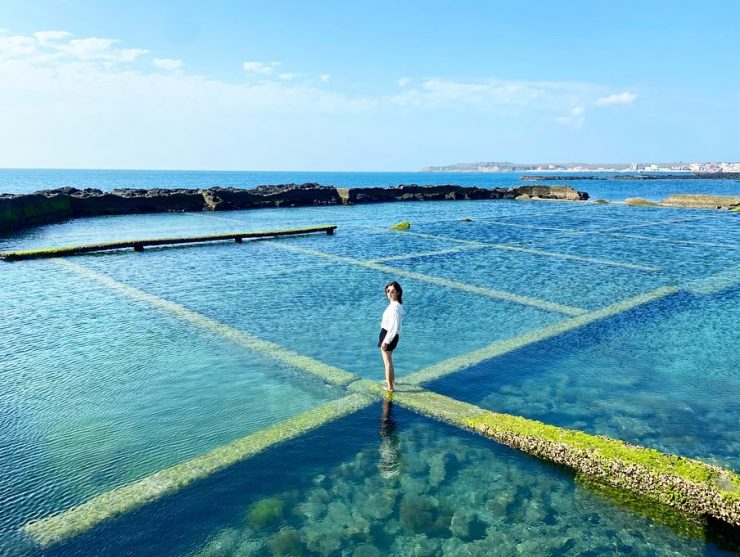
392	344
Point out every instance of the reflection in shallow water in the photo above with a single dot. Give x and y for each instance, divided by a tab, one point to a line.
390	457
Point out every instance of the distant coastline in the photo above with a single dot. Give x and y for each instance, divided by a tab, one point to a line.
639	167
664	176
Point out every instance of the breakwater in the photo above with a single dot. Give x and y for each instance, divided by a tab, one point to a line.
139	245
43	207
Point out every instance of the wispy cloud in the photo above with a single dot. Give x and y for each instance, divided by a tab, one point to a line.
46	37
53	81
617	98
17	46
46	46
55	66
496	95
104	59
94	48
575	117
169	64
264	68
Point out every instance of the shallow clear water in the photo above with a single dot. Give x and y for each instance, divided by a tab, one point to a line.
388	482
667	377
96	392
101	386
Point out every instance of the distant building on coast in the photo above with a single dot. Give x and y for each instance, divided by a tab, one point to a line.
587	167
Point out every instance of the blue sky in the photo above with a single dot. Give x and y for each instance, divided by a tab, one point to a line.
365	86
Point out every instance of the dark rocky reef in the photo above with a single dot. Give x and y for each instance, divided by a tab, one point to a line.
43	207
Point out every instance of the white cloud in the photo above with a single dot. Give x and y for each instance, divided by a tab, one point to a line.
17	46
57	50
46	37
168	64
48	46
496	95
76	75
575	117
53	83
617	98
94	48
260	67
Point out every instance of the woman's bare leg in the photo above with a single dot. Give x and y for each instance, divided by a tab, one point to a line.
389	371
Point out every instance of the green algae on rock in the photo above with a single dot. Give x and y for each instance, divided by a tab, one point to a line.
683	524
702	200
689	485
690	201
287	542
264	512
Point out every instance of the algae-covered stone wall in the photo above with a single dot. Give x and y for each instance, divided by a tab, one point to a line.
20	211
700	201
691	201
688	485
30	210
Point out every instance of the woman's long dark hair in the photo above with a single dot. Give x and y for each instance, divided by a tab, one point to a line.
398	289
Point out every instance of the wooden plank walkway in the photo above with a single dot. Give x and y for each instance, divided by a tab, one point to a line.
139	245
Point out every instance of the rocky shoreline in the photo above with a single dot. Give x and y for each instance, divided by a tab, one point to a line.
691	201
44	207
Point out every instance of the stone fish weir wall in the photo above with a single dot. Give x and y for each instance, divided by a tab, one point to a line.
691	486
21	211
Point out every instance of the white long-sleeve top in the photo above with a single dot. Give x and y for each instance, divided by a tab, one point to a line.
391	322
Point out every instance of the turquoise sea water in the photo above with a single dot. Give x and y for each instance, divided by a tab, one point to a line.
99	387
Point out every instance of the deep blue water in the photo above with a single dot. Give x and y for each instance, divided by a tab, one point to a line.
30	180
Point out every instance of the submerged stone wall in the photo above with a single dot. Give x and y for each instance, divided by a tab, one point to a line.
21	211
688	485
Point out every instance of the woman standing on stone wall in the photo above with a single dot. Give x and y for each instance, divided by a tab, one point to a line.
390	328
